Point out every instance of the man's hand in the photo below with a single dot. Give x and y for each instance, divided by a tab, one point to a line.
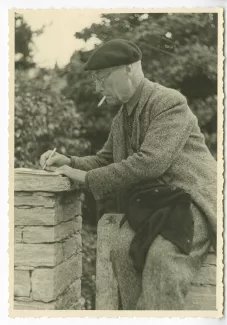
55	161
76	175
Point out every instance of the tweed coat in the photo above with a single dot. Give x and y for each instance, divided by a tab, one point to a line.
169	146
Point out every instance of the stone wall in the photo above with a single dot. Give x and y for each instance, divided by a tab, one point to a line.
47	242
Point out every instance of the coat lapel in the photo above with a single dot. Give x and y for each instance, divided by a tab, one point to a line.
119	132
145	94
119	141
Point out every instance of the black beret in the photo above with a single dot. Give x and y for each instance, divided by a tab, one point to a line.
113	53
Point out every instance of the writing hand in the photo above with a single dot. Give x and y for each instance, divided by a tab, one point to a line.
56	160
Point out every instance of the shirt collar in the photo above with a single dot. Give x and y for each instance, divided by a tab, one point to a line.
133	101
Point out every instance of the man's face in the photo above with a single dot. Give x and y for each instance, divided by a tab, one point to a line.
115	84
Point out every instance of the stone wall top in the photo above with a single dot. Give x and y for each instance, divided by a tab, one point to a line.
40	180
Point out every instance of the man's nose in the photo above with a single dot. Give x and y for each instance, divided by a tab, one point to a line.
99	87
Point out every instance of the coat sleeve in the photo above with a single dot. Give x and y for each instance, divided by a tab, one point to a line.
165	138
102	158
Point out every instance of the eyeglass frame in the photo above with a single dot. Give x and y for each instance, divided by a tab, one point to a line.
96	78
101	80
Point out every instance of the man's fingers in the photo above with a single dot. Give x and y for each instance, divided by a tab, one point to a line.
60	172
62	168
52	161
44	158
50	168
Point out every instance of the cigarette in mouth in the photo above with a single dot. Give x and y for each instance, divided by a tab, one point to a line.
101	101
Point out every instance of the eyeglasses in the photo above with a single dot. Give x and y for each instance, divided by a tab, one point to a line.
96	78
101	80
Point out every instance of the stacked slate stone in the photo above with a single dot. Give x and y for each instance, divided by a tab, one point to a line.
47	243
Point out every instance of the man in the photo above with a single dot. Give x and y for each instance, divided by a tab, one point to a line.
153	136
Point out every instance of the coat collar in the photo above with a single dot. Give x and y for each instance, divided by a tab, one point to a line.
118	124
133	101
147	89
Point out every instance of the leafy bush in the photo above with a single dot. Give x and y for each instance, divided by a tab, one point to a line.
44	118
24	45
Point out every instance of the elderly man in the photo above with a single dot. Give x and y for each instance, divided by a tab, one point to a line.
154	136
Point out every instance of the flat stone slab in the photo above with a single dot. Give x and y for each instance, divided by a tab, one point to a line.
22	285
49	283
41	180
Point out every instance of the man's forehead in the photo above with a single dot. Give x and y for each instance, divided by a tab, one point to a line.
103	72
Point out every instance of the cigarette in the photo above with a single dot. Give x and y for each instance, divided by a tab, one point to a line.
101	101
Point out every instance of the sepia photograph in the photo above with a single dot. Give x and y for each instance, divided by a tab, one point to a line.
117	155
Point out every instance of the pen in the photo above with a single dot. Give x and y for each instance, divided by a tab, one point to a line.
51	155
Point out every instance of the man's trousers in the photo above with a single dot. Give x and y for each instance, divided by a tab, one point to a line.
167	272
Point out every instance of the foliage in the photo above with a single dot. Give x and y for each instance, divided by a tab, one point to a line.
89	241
44	118
24	43
179	51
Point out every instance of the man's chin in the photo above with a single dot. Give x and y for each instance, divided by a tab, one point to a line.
112	101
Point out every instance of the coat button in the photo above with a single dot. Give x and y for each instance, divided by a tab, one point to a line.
137	200
156	190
